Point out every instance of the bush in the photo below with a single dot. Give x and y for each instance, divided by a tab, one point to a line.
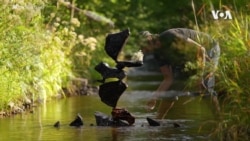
233	72
33	59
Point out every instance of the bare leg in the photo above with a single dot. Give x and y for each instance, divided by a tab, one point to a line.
163	110
216	102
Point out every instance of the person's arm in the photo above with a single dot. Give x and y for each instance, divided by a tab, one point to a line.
201	51
165	84
167	73
201	57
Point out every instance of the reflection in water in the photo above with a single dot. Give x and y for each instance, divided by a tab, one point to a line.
39	125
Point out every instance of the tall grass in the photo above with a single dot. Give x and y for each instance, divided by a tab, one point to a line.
233	75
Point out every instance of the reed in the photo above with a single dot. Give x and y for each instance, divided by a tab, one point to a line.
234	78
233	72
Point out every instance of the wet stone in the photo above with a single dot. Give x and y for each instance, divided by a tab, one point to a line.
105	120
176	125
152	122
77	122
122	114
110	92
57	124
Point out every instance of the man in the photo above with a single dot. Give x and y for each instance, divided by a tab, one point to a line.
176	47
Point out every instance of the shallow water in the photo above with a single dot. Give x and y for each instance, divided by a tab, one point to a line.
195	119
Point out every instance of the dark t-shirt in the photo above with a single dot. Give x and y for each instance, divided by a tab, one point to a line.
175	50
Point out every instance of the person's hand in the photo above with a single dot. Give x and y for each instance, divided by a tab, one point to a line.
151	104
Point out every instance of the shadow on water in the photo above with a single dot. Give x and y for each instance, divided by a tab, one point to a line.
39	125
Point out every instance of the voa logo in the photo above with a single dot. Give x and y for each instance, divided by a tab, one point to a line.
219	14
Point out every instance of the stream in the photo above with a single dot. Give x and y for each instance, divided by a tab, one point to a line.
194	115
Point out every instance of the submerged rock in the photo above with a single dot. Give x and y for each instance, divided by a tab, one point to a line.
152	122
176	125
102	119
77	122
57	124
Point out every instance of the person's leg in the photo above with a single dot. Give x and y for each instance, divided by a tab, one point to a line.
164	108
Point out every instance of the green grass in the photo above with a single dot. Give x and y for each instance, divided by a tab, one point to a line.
233	75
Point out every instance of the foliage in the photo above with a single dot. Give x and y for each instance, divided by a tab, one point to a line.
233	71
42	48
234	74
33	63
84	48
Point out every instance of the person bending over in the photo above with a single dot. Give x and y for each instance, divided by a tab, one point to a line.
176	47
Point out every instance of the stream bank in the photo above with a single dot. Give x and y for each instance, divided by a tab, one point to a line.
27	104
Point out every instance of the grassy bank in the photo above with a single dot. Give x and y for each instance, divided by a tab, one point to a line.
40	52
234	78
33	62
233	75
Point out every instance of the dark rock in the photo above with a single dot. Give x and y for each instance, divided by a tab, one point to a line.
122	64
122	114
108	72
102	119
153	122
176	125
77	122
105	120
115	42
118	123
110	92
57	124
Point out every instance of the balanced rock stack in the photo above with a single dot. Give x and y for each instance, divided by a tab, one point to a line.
110	92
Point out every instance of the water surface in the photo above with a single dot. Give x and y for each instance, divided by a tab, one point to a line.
195	119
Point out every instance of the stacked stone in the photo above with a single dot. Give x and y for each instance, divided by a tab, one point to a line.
110	92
